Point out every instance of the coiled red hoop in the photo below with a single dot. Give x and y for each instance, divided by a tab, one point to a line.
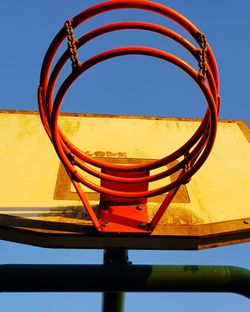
191	155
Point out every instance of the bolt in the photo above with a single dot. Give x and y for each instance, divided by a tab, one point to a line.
140	207
143	225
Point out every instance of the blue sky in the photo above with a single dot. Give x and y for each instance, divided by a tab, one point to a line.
128	85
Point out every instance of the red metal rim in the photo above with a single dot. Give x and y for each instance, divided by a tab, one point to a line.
212	120
201	142
100	31
122	4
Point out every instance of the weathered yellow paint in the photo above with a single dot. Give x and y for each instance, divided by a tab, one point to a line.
29	167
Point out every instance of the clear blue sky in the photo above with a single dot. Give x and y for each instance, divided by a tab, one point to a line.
130	85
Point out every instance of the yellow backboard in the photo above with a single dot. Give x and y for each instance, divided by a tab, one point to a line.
39	206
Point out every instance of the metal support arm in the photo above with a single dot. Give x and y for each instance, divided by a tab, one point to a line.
124	278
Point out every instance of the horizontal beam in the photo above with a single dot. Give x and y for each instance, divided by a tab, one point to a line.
165	237
124	278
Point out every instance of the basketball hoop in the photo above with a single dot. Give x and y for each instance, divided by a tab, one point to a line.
126	186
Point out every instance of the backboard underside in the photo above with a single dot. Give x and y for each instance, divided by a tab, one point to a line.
38	204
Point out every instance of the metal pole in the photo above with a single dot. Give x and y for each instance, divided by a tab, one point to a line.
114	301
124	278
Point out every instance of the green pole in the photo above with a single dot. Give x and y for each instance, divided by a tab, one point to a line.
124	278
114	301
